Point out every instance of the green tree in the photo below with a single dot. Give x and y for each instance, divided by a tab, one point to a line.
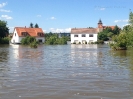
36	25
53	39
116	30
107	30
102	36
4	31
125	38
110	34
127	28
131	18
31	25
28	40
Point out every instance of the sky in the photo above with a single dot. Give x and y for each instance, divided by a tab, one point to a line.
61	15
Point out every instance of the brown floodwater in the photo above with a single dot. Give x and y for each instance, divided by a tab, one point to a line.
65	72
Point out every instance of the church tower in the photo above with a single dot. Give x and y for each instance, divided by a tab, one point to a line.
100	25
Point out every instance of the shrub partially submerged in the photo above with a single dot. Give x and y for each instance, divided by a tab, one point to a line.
28	40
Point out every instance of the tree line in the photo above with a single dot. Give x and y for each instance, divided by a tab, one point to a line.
124	39
4	32
53	39
108	33
34	26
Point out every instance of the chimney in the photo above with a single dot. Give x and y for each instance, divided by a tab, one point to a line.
25	26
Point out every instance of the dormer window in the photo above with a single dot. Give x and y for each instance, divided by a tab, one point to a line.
24	33
40	34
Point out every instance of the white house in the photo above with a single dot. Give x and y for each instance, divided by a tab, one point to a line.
87	35
83	35
21	32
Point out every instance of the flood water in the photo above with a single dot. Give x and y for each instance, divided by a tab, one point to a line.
65	72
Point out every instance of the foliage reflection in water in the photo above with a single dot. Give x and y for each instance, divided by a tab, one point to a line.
65	72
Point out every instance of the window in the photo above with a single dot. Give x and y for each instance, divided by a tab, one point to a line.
40	34
90	35
83	35
24	33
75	35
40	40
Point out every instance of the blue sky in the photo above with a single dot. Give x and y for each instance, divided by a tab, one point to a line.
62	15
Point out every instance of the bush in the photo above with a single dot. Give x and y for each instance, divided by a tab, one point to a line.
100	42
33	44
28	40
121	42
4	40
92	42
53	39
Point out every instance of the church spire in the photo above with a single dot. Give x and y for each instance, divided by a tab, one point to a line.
100	21
100	24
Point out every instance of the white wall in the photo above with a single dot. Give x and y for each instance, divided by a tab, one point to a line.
42	38
15	38
81	39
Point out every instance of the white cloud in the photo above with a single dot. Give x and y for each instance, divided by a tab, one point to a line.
125	25
6	17
53	30
2	10
44	30
52	18
126	20
116	21
3	4
102	8
39	15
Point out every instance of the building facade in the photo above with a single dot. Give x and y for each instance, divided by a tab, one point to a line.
87	35
21	32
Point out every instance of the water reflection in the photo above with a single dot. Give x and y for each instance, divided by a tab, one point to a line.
66	72
4	56
25	56
83	54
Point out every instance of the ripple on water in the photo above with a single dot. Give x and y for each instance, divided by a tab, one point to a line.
65	72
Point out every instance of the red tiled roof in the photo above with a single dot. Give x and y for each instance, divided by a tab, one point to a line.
83	30
112	27
31	31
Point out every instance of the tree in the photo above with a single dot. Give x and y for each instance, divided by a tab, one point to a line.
4	31
125	38
31	25
102	36
127	28
116	30
53	39
110	34
131	18
121	42
36	25
28	40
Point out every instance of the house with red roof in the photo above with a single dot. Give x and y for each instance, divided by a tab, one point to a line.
21	32
87	35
